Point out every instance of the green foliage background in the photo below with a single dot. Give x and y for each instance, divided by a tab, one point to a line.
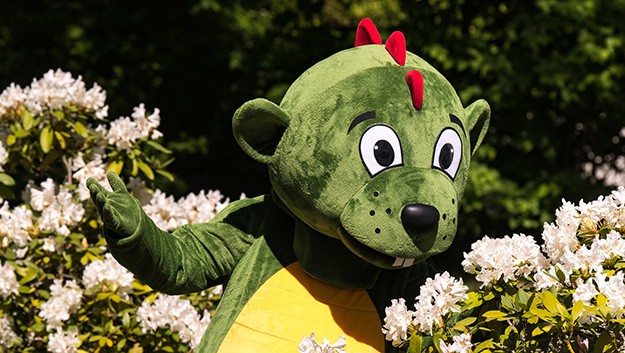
553	72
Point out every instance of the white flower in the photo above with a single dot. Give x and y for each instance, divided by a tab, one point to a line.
59	211
585	291
7	336
194	208
4	156
95	169
462	344
547	278
15	225
310	345
64	301
44	196
109	273
8	281
11	99
49	245
216	291
437	297
63	342
58	88
397	321
176	313
507	258
124	132
614	290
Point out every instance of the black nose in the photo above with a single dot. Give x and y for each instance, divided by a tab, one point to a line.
419	217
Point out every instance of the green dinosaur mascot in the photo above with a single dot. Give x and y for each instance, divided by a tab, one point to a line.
368	155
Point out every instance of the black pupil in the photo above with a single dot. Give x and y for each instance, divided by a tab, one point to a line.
383	152
446	156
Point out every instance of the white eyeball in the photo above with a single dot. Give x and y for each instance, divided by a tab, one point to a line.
448	152
380	149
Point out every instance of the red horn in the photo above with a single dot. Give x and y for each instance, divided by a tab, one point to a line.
396	46
415	84
366	33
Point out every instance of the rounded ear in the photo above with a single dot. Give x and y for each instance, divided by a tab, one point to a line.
258	126
478	118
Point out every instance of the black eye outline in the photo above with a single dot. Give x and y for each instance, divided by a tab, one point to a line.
448	137
373	135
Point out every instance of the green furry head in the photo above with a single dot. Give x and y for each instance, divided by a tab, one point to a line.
371	146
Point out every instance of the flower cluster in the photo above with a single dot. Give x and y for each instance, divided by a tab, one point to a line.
60	290
437	298
504	259
168	213
560	296
107	275
63	342
175	313
55	90
310	345
7	336
64	300
15	225
8	282
59	210
124	132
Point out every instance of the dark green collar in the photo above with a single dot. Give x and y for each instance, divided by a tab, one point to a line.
327	258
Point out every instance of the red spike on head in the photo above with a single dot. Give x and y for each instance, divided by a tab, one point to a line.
415	84
367	33
396	46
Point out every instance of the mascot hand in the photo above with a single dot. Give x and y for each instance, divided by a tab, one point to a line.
120	211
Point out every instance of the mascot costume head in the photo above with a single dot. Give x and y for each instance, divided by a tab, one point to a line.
368	155
370	146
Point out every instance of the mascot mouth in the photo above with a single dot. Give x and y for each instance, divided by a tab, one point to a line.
371	255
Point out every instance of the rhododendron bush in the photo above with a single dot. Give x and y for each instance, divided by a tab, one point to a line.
566	295
60	289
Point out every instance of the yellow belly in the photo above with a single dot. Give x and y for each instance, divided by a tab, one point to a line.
292	304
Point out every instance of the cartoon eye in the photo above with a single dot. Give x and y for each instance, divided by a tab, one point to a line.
448	152
380	149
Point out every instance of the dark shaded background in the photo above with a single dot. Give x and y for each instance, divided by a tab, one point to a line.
553	72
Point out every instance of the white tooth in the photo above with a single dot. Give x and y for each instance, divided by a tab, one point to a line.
398	261
408	262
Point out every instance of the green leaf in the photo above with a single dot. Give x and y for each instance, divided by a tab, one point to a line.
11	140
136	349
166	174
521	298
576	310
58	114
116	167
462	324
145	169
61	139
552	304
121	344
157	146
604	342
415	343
27	120
507	303
484	345
46	138
540	330
135	168
6	179
80	129
495	315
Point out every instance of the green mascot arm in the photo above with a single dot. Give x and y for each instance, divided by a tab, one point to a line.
192	258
